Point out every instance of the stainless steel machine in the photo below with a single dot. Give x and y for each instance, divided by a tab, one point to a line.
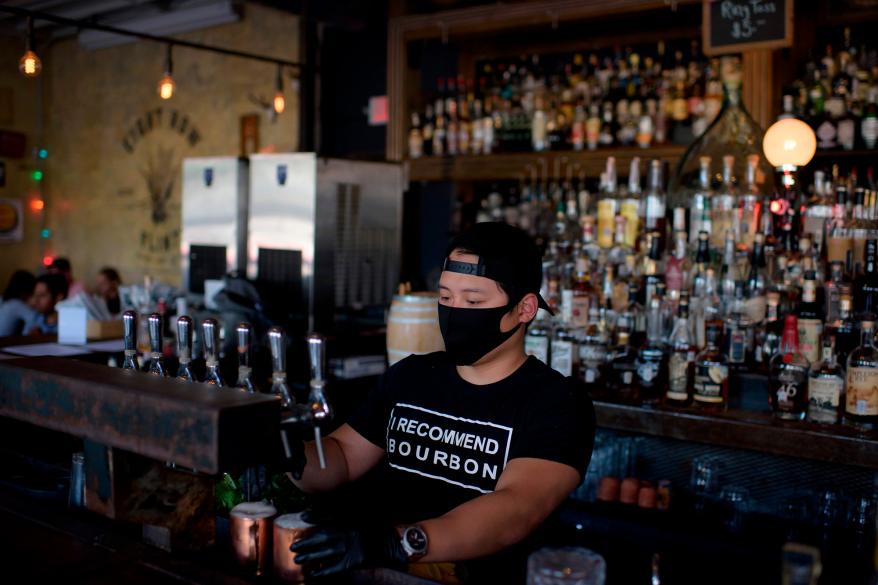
316	235
214	219
327	232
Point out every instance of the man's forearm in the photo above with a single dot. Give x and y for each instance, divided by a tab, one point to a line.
315	479
481	527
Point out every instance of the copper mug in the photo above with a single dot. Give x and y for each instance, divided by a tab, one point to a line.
288	529
250	531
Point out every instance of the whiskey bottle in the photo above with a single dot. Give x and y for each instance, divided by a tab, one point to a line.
710	379
211	342
682	357
810	319
184	348
861	403
826	387
593	354
788	376
129	328
723	211
245	357
623	366
652	361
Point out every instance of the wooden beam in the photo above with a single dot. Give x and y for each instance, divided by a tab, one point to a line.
758	86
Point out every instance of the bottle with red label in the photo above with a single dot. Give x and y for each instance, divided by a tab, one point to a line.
788	375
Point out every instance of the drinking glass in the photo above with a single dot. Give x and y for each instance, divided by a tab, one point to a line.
566	566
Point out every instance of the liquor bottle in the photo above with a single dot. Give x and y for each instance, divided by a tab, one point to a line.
826	387
539	138
564	352
702	263
738	339
629	206
788	376
728	274
866	285
769	333
583	294
593	127
184	348
810	320
623	366
832	289
699	211
593	353
652	361
709	309
156	362
723	206
427	131
211	342
536	340
608	206
416	138
710	379
129	328
245	358
682	357
757	280
861	403
842	328
654	204
652	268
749	204
869	122
677	266
277	343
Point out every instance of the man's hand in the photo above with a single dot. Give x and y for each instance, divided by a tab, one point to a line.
333	549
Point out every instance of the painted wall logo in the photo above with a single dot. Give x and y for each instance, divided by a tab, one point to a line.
467	453
159	139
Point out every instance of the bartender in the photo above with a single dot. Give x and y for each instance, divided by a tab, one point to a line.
477	445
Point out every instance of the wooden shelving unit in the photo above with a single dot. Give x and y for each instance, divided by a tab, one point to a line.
514	166
840	444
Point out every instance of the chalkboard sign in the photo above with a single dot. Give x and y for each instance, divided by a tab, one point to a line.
733	26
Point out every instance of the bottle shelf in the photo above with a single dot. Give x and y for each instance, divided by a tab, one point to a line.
756	431
514	166
856	153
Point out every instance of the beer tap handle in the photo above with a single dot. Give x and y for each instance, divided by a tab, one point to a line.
245	337
129	327
277	343
184	339
320	408
210	332
155	334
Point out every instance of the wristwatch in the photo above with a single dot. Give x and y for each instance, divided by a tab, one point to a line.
414	542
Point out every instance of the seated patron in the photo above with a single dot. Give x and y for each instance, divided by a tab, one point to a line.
108	282
50	289
15	312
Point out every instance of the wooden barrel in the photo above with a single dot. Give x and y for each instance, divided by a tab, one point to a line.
413	326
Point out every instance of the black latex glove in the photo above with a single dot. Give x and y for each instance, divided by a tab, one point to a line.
293	431
333	549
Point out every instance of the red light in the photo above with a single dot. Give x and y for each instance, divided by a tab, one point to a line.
37	204
779	206
47	260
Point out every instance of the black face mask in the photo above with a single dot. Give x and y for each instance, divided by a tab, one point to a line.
469	334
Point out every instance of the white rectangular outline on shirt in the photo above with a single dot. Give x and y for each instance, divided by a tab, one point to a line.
459	418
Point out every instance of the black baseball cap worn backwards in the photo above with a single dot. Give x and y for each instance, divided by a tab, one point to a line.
506	254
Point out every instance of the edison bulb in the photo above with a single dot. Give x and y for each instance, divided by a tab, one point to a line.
29	64
167	87
279	103
789	142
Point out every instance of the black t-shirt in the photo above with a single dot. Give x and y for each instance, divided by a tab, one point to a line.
447	441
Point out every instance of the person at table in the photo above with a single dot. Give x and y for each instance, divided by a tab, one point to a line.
108	282
62	266
15	311
477	445
50	290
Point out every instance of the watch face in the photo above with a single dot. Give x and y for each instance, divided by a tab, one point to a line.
416	539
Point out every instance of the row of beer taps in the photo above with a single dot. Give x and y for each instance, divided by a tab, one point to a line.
315	413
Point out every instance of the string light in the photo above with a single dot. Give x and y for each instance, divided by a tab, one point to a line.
37	204
48	260
166	83
279	102
29	64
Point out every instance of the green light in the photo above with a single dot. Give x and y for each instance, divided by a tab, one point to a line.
43	153
37	175
45	233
